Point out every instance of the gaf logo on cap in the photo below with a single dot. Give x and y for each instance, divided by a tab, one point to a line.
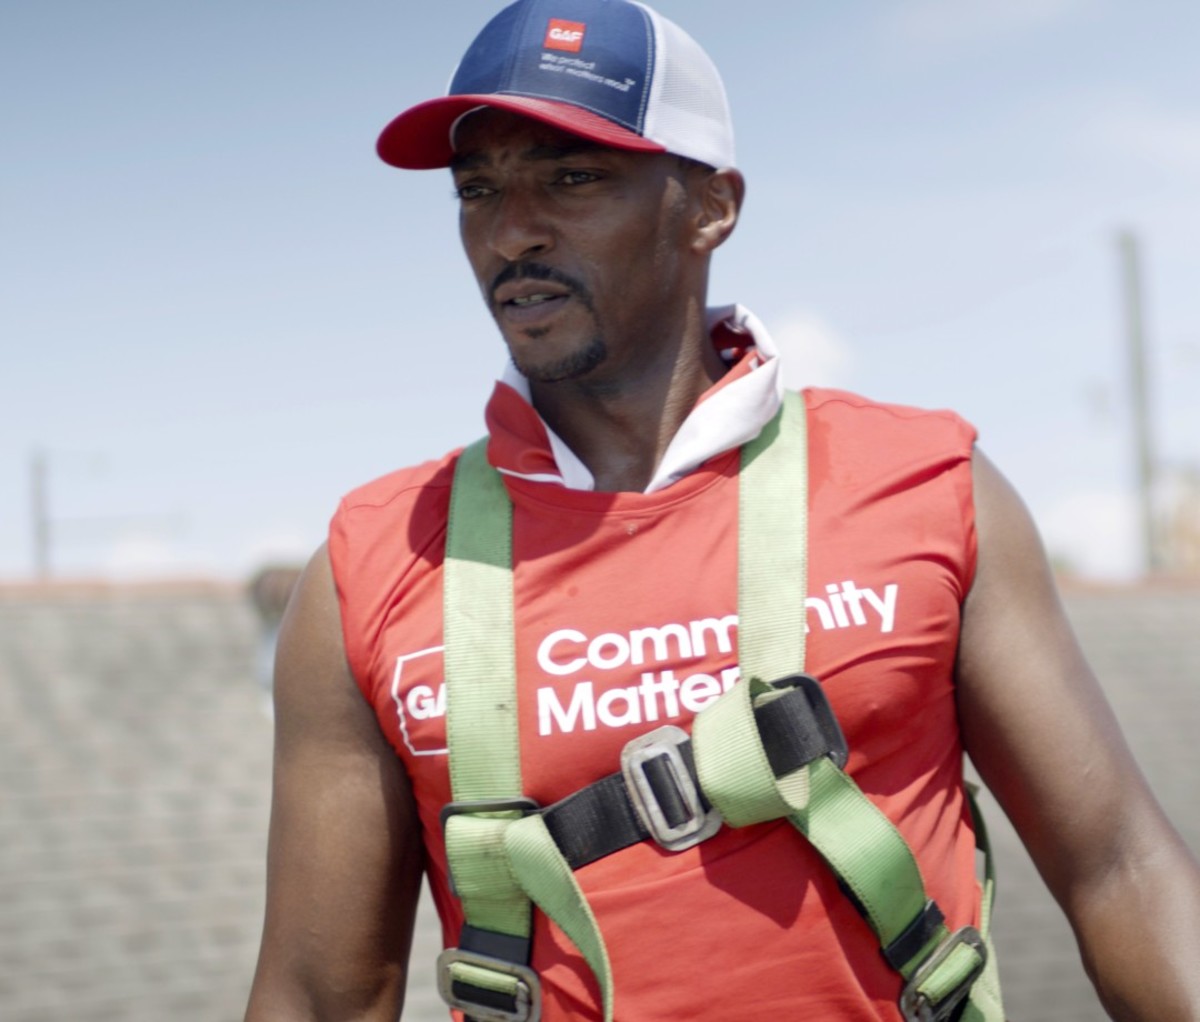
565	35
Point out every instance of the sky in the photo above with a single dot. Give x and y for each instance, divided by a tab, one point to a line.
219	311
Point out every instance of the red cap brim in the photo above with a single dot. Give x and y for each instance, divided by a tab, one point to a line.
419	138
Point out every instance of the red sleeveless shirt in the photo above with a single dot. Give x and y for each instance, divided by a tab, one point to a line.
626	611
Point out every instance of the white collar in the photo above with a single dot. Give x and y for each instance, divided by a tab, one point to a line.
729	417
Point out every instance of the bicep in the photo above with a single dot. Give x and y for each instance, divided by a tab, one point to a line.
1034	719
344	855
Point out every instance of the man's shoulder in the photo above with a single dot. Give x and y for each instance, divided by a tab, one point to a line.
832	401
850	428
404	509
402	487
382	525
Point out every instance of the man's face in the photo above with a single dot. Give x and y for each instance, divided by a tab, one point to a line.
579	249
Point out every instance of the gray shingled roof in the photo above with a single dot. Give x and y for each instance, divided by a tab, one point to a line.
1144	644
135	763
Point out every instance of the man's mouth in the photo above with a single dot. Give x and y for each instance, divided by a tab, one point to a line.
524	303
529	296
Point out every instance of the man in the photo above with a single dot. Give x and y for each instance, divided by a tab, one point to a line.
592	154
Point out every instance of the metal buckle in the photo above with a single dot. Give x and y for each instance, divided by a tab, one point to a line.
915	1006
665	742
529	988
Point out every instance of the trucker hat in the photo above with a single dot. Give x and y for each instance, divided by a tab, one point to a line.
613	71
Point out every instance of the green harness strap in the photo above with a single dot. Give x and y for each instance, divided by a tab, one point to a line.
501	858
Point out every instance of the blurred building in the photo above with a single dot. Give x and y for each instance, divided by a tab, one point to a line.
1181	527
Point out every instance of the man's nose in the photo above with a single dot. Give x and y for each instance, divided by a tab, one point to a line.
519	227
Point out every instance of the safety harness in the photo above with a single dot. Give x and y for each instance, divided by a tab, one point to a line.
764	750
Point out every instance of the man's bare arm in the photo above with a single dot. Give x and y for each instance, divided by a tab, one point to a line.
1038	728
344	857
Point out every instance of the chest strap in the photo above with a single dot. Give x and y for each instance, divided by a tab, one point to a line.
657	795
761	752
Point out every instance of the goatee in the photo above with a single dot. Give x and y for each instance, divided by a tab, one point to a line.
571	367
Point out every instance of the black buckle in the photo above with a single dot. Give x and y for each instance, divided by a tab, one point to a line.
484	1005
916	1006
520	804
487	805
662	747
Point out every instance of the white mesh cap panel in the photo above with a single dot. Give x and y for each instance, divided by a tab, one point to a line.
688	111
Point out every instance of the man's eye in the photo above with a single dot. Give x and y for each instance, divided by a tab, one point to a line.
465	193
577	177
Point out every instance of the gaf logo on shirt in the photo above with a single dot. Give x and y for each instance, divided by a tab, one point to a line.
565	35
419	691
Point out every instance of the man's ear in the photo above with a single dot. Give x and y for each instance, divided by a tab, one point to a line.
721	195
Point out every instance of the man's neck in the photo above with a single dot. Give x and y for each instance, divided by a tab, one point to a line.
620	428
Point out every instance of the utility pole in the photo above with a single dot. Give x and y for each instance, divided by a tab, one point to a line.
49	529
1131	278
38	469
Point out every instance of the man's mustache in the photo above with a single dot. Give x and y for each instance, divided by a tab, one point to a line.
539	271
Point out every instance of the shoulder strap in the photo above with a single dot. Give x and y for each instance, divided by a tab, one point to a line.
773	546
501	857
483	739
480	640
855	838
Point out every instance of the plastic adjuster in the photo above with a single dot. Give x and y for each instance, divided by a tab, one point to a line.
915	1006
527	1003
664	743
822	713
918	933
